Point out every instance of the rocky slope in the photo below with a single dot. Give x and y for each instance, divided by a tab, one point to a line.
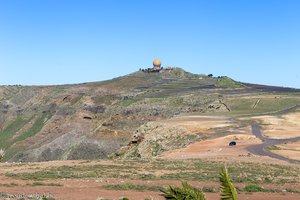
95	120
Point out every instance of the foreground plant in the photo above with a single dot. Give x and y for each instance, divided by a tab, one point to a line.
187	192
228	192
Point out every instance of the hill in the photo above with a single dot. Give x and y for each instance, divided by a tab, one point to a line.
109	118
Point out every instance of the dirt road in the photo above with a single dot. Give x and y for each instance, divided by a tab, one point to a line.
260	149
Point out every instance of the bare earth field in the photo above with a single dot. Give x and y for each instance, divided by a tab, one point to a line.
280	127
295	155
290	150
75	179
215	148
273	127
198	163
197	124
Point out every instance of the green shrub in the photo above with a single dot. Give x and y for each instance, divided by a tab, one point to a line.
186	192
254	188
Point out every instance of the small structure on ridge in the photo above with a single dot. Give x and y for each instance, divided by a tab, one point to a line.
156	64
157	68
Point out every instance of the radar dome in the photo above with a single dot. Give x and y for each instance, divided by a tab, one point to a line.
156	63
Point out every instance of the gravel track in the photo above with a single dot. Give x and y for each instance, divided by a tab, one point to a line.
260	149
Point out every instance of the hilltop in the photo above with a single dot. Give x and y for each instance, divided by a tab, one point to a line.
111	118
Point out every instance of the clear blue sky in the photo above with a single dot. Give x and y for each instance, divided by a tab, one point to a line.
59	41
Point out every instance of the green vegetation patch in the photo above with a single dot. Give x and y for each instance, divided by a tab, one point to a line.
9	185
79	171
7	134
226	82
261	104
277	104
44	175
273	147
130	186
254	188
257	188
35	128
189	170
13	150
45	184
180	84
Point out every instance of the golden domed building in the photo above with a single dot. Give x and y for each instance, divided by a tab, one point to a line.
156	64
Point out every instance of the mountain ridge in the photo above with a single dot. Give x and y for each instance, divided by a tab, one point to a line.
95	120
176	69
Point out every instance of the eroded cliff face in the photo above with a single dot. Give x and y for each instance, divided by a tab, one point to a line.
153	138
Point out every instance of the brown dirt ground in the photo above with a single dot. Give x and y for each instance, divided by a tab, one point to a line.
84	193
215	148
294	146
295	155
198	124
91	189
289	150
281	127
